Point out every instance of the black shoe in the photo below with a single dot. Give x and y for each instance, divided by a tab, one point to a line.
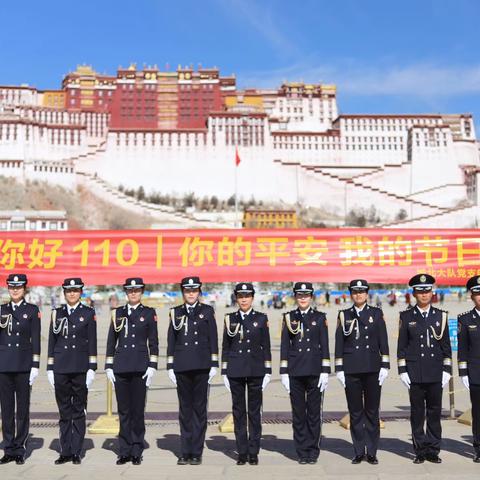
122	460
253	459
183	460
358	459
63	459
242	460
433	458
372	459
7	459
312	461
137	460
302	461
76	460
419	459
476	458
19	459
195	461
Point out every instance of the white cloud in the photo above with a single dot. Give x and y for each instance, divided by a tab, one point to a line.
425	80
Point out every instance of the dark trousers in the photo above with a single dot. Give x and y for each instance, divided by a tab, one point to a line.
71	395
15	390
192	391
475	398
363	399
247	443
131	393
426	401
306	401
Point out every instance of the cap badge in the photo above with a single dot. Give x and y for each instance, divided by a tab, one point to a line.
190	280
15	279
72	282
423	278
244	287
359	283
303	286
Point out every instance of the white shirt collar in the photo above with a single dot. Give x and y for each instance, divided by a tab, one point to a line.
244	314
187	305
424	310
72	307
478	311
358	310
16	305
132	307
303	312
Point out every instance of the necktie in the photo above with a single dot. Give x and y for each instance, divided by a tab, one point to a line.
14	307
70	311
424	315
189	310
303	314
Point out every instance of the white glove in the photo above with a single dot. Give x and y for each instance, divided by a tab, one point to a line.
404	377
465	382
110	376
149	375
341	378
90	377
51	378
323	382
285	379
382	375
171	376
266	381
445	378
226	382
211	374
33	375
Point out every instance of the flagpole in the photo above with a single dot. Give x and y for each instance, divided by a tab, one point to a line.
236	193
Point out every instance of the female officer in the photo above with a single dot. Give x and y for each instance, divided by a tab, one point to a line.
132	357
71	365
246	366
19	363
192	361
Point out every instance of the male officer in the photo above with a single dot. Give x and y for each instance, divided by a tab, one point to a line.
425	366
246	368
304	369
362	362
192	361
71	365
132	357
469	357
19	364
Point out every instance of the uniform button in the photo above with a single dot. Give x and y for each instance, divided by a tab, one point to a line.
186	343
133	335
196	343
357	346
18	333
248	341
299	349
308	349
73	336
433	355
248	331
239	341
66	347
308	339
17	345
248	351
73	346
9	345
133	346
431	346
300	340
194	323
366	328
421	336
423	355
74	326
18	323
366	337
368	346
133	325
308	329
421	346
66	336
239	351
124	346
196	333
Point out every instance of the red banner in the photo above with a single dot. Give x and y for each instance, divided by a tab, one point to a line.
165	256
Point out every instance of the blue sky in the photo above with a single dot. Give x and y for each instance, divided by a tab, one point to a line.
385	56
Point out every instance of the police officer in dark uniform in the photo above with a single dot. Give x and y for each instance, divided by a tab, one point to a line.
304	369
425	366
71	365
132	358
246	368
362	362
469	357
192	361
19	364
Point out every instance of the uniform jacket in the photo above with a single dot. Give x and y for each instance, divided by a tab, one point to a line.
192	342
72	340
19	337
304	345
423	356
361	341
246	345
132	343
469	346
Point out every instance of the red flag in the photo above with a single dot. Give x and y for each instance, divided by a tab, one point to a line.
237	157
